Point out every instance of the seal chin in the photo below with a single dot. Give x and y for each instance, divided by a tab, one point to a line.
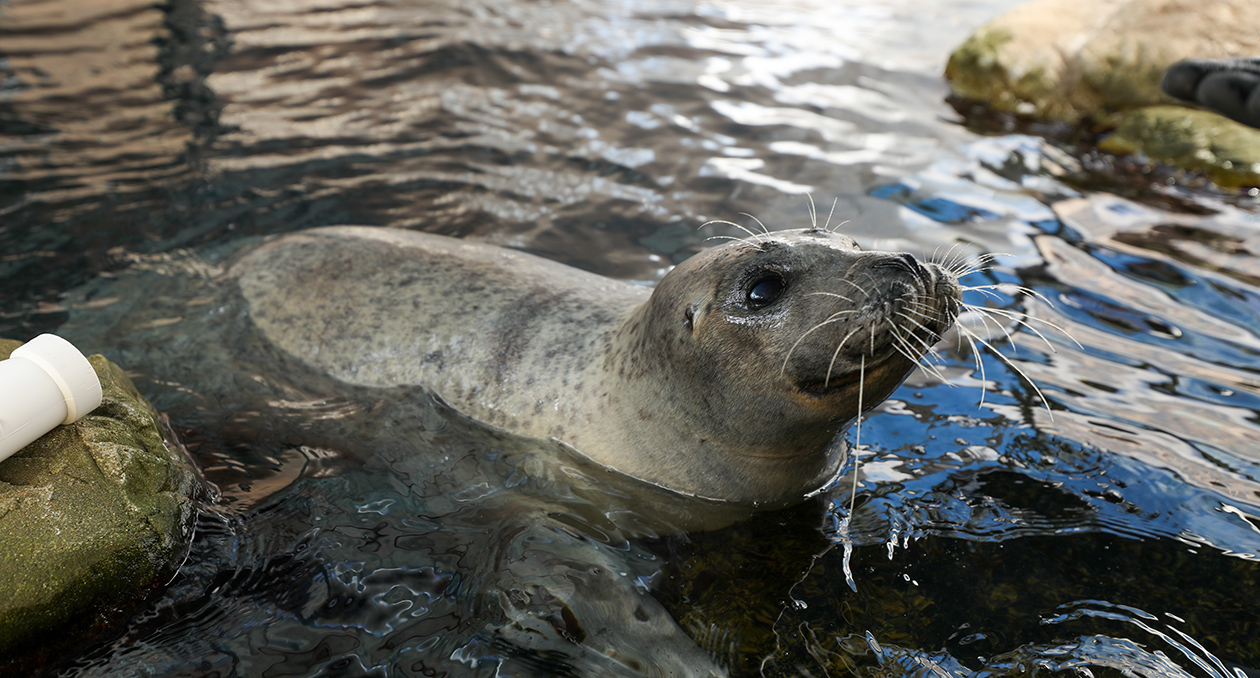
877	378
846	380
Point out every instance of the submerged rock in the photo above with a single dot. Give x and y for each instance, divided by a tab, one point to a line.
1098	63
93	516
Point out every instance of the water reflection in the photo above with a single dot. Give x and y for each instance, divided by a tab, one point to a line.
1160	358
1113	529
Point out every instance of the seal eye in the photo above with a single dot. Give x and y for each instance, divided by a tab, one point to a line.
765	291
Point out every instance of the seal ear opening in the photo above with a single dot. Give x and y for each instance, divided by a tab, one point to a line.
690	317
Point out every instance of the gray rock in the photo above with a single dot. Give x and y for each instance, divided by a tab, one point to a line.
93	517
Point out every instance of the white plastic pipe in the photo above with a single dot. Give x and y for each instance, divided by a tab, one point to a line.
45	382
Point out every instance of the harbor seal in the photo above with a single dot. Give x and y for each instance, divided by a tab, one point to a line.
729	381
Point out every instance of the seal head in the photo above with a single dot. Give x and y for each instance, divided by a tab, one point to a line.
757	355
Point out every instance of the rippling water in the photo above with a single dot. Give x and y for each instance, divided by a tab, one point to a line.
1107	524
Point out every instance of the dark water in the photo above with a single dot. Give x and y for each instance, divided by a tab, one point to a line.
1112	530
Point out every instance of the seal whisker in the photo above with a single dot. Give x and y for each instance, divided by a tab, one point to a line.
923	310
835	317
751	241
926	346
857	454
986	319
900	346
928	349
926	361
968	269
751	234
965	270
730	237
956	255
833	294
763	226
951	261
1012	289
866	294
826	225
905	348
983	262
920	309
837	314
1023	320
1020	318
957	308
1013	366
827	380
934	316
991	315
965	333
985	290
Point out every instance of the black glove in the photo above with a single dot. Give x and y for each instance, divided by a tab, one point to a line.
1230	87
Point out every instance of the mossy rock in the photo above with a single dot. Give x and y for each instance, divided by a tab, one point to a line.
1076	60
93	517
1196	140
1097	64
1011	67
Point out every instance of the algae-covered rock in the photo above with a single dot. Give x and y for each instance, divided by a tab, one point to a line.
93	516
1071	60
1227	152
1024	61
1099	63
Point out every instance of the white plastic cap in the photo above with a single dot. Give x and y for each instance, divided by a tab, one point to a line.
68	369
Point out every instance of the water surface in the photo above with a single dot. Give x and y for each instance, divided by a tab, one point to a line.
1105	523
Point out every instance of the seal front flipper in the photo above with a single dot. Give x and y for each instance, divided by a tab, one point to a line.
579	601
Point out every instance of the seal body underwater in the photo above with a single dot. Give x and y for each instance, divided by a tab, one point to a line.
730	381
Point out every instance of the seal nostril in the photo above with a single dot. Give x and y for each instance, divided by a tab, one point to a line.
912	264
904	261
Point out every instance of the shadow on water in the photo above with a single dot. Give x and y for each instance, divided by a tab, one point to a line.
1111	529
